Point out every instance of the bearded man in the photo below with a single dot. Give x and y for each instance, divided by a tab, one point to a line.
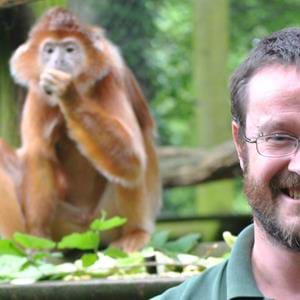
265	106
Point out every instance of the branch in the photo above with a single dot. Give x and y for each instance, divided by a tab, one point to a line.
9	3
184	167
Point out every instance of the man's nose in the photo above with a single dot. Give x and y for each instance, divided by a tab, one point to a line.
294	164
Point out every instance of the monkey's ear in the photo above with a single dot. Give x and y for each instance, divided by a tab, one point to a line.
24	65
96	35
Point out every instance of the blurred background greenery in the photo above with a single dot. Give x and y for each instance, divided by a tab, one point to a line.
182	53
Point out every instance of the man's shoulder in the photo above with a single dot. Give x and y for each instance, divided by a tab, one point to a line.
232	278
210	284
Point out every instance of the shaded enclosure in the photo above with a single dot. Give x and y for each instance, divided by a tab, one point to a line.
157	39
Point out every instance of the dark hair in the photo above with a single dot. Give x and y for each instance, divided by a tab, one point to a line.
281	47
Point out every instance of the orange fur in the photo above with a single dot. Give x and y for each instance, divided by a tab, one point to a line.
94	149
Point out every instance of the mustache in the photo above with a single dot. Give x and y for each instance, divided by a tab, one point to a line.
289	180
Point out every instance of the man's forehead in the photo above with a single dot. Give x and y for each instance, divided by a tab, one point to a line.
267	123
275	85
274	99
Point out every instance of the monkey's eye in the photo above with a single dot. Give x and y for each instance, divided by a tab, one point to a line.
70	49
48	49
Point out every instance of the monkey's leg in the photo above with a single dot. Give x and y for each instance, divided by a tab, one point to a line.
11	216
128	203
42	184
139	204
133	240
41	192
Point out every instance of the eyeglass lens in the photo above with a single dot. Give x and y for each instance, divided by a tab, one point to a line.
276	146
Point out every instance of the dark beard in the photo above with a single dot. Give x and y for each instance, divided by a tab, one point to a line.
262	199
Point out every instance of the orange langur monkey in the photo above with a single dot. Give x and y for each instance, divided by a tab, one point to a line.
86	134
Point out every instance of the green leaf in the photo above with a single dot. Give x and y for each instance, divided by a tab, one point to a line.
10	264
8	247
33	242
28	274
24	281
66	268
183	244
159	239
115	252
89	259
39	255
229	238
102	225
47	269
135	258
88	240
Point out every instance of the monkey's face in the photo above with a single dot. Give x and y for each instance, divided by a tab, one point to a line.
66	55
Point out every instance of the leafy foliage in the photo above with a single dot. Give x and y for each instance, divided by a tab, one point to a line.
184	244
26	259
102	225
8	247
82	241
229	238
33	242
253	19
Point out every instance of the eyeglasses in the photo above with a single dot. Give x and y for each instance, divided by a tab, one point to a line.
275	145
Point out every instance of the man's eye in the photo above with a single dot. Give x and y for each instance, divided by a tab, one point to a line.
279	139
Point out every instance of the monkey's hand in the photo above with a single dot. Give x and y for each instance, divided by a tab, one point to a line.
55	83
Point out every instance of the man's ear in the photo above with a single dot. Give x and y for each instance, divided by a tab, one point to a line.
237	142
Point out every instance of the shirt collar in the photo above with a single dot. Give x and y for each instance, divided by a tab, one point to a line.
240	279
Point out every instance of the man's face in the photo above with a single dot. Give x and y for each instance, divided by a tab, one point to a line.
272	185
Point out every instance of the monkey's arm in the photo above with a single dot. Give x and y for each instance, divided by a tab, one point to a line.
106	130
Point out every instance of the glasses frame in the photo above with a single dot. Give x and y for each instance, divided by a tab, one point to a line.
254	141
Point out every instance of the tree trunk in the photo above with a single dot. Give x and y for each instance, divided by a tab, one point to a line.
210	82
185	167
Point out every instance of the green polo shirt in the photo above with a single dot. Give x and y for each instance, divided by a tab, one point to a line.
232	279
